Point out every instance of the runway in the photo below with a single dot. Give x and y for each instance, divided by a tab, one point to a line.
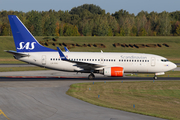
46	99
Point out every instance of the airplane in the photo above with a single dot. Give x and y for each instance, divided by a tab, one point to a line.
29	50
66	50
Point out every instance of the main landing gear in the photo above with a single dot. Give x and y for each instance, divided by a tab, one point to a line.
155	77
91	76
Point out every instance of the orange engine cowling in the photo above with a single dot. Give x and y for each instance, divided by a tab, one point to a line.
114	71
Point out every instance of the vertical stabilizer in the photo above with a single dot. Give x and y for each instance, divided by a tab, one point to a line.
23	39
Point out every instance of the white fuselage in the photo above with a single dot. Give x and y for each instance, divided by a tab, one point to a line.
131	62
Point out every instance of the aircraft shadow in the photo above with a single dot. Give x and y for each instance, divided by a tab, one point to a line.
86	79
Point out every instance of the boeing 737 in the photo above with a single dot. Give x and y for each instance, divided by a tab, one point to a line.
110	64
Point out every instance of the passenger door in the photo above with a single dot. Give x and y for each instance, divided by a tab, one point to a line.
44	60
153	61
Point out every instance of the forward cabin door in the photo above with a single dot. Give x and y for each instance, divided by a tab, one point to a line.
153	61
44	60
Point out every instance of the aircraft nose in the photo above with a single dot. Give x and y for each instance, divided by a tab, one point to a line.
173	66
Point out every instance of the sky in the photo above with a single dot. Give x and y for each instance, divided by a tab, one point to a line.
111	6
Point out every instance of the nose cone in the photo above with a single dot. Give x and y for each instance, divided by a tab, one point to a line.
173	66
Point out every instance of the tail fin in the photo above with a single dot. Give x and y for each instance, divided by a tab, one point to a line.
23	39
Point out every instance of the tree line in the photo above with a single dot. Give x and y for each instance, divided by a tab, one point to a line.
91	20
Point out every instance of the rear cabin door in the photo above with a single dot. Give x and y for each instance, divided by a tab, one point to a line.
44	60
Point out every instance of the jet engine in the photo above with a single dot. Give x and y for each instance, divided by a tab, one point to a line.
113	71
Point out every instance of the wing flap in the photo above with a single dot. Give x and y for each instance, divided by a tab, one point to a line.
84	65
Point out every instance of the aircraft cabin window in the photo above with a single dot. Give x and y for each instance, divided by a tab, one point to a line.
84	59
53	58
129	60
95	59
92	59
142	60
111	59
98	59
59	59
134	60
79	59
137	60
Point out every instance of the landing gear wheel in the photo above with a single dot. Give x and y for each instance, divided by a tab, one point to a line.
91	76
155	77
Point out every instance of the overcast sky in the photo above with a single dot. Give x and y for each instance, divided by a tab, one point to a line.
132	6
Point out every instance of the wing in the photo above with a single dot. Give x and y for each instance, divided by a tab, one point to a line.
84	65
66	49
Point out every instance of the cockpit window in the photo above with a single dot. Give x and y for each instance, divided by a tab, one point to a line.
164	60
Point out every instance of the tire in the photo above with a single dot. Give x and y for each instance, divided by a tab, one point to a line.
91	77
155	77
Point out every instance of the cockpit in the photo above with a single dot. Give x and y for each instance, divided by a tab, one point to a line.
164	60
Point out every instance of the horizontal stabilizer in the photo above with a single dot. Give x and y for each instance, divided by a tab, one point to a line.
16	53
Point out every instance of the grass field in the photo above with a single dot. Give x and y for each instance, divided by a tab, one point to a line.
159	98
172	52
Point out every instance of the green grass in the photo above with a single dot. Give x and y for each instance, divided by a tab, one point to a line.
167	74
172	53
159	98
8	69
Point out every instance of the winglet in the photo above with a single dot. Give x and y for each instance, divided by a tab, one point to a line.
62	56
66	49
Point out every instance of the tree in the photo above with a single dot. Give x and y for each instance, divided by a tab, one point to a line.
142	32
165	25
4	30
90	7
101	26
178	30
35	22
57	29
50	26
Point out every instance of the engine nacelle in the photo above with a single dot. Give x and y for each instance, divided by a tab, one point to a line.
114	71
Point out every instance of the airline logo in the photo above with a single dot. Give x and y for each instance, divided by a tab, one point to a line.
26	46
